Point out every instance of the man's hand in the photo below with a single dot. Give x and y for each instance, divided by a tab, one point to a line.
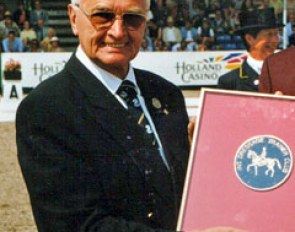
279	93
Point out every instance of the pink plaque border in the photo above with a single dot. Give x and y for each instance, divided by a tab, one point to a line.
200	114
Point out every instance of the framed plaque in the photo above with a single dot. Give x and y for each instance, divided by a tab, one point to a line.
240	168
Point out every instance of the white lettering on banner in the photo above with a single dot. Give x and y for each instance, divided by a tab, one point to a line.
180	68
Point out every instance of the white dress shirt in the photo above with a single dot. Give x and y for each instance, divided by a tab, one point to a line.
255	64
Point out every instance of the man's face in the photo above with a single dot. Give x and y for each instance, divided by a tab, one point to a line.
264	44
109	47
11	37
40	23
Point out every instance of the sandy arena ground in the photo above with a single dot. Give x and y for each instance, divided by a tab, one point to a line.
15	209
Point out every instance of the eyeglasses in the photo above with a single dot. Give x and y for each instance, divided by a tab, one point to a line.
105	19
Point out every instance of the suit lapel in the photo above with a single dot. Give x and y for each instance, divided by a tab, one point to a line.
158	109
248	77
114	118
105	109
246	72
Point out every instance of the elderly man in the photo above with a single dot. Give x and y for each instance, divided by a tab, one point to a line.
104	146
259	32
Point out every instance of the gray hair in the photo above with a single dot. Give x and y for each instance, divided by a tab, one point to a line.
75	2
148	2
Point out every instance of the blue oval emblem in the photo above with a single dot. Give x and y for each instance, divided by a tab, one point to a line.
263	162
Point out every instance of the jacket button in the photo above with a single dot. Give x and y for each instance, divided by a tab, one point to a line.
148	172
150	215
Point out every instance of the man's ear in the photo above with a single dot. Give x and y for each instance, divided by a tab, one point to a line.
72	17
249	39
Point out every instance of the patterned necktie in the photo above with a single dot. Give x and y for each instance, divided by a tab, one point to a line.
128	93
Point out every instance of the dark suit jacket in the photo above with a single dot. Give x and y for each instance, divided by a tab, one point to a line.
278	73
85	162
243	79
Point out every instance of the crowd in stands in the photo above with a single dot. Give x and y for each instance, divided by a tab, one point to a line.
22	30
199	25
172	25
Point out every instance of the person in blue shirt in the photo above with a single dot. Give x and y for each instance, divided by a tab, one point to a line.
12	43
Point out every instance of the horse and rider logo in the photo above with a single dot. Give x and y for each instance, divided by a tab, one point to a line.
263	162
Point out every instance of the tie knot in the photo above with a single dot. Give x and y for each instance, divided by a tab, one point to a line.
127	92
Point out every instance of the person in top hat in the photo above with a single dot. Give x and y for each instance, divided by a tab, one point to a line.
259	32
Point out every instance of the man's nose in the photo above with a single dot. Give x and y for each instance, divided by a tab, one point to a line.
118	28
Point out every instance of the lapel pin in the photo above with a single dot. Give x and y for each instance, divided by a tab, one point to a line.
165	111
156	103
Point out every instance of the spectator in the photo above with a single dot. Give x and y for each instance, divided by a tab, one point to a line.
200	14
2	11
213	6
290	25
188	32
264	4
38	13
193	8
7	25
220	26
238	4
21	15
188	46
154	30
41	30
203	46
55	47
171	34
27	34
34	46
160	13
12	43
146	46
160	46
206	34
180	13
278	5
232	18
45	43
247	5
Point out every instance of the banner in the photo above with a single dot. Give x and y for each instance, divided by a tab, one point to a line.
190	69
34	67
184	69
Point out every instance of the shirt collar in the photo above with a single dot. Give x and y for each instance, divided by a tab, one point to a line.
256	65
110	81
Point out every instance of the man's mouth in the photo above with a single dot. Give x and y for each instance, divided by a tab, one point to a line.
115	45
